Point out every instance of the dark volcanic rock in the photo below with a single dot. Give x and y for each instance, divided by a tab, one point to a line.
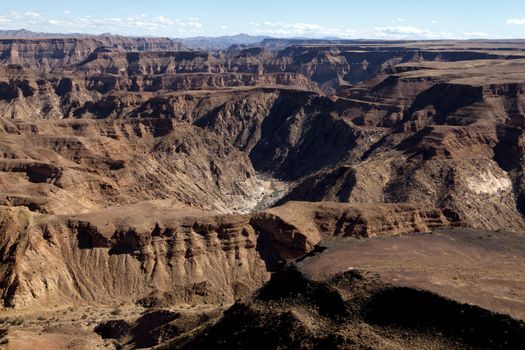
353	309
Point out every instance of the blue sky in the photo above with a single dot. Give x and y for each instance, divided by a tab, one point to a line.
306	18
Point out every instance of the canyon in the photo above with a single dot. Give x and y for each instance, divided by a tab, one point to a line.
158	196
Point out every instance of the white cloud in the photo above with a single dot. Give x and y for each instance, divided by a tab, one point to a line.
66	12
408	32
22	19
32	14
131	25
476	35
195	24
281	29
516	22
162	25
434	21
400	20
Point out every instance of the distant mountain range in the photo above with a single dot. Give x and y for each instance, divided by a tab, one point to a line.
23	33
220	42
204	43
208	43
195	43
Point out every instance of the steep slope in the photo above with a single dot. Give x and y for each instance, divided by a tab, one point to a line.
73	166
395	138
448	143
353	310
162	253
46	54
118	256
136	175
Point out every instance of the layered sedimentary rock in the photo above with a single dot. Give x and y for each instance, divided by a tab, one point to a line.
158	252
121	256
406	135
134	172
52	54
74	166
411	292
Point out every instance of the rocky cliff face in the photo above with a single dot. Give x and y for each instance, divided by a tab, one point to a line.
81	260
137	173
73	166
53	54
404	136
158	253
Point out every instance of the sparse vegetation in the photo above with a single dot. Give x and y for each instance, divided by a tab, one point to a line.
17	322
204	317
116	311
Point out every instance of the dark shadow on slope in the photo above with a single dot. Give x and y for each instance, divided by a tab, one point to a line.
427	312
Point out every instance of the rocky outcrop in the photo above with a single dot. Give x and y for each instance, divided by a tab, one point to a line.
181	259
135	173
296	227
408	138
352	309
72	166
161	253
57	53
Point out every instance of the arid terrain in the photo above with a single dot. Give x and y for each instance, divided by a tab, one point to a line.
286	194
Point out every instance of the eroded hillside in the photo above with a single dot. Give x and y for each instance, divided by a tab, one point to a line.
135	173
